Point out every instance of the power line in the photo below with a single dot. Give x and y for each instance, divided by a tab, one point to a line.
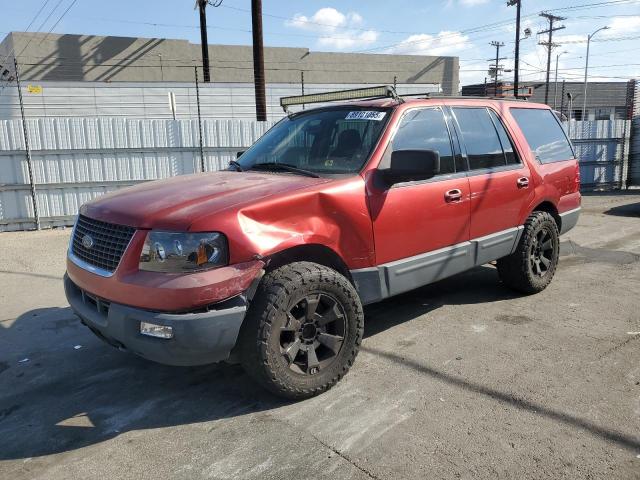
59	20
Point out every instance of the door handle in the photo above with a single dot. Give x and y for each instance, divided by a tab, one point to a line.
522	182
454	195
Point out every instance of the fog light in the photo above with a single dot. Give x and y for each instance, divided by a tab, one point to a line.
153	330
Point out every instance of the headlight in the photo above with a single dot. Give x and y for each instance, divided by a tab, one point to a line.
183	252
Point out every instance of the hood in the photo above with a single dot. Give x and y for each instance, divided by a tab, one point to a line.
175	203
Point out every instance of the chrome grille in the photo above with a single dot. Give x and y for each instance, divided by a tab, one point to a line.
109	242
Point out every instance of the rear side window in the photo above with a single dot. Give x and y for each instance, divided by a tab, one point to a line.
544	134
426	129
484	149
507	146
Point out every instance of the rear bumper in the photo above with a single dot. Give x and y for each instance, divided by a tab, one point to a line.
569	220
198	338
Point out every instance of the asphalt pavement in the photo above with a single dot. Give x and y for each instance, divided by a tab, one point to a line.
459	379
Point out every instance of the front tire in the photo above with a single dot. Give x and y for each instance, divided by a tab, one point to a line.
532	266
302	331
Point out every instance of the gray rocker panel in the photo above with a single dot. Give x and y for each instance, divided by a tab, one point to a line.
376	283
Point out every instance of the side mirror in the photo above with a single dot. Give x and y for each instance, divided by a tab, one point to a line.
239	154
412	165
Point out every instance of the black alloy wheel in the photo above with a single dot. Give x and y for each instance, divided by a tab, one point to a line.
541	254
314	333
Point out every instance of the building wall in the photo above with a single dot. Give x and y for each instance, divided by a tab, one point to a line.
605	100
44	99
124	59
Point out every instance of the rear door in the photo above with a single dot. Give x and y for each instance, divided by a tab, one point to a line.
551	151
499	181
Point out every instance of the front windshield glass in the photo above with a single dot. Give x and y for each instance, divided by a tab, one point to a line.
327	141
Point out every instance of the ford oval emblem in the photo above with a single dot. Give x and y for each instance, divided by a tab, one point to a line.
87	241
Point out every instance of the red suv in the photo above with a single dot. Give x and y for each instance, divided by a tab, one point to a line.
270	262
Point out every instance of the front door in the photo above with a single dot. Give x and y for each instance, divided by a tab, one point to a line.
415	218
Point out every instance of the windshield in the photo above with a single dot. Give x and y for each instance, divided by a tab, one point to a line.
327	141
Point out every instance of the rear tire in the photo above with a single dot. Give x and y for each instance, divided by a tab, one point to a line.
303	330
532	266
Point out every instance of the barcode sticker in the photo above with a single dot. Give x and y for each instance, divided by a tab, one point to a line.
366	115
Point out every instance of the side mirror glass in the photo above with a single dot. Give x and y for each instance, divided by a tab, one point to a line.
412	165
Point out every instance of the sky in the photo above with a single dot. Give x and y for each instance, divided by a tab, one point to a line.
464	28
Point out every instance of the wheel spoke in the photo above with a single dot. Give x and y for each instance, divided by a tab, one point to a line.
291	352
312	360
332	342
545	261
538	269
311	306
547	245
293	324
331	315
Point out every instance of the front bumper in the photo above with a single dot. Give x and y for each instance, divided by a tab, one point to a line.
198	338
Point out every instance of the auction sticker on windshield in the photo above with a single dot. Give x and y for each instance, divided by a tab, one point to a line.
366	115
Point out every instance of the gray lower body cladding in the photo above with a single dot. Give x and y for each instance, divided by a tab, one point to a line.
198	338
569	220
386	280
377	283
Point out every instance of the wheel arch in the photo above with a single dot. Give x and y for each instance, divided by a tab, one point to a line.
314	252
550	208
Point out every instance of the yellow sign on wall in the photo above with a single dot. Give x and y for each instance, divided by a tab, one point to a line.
35	89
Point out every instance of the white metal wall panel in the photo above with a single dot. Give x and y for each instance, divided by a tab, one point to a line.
76	159
150	100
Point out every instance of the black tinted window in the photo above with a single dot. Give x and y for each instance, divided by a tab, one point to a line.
507	146
425	129
544	134
480	137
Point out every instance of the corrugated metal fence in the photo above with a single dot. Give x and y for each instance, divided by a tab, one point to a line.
634	157
77	159
603	149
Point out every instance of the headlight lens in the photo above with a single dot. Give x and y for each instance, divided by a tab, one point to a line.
183	252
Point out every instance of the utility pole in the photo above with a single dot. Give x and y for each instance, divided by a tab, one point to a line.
27	148
204	43
549	44
258	61
516	64
496	67
555	83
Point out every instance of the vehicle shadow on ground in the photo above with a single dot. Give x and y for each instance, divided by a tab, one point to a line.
628	210
479	285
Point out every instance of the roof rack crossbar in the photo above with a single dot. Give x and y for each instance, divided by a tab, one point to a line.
382	91
477	97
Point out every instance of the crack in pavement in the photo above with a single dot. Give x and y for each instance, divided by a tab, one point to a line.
330	447
618	346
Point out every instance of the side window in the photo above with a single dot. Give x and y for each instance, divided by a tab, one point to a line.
544	134
426	129
480	137
507	146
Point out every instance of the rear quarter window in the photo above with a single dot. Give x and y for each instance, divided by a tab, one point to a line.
544	134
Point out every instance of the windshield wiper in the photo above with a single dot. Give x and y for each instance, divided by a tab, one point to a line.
235	164
283	166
